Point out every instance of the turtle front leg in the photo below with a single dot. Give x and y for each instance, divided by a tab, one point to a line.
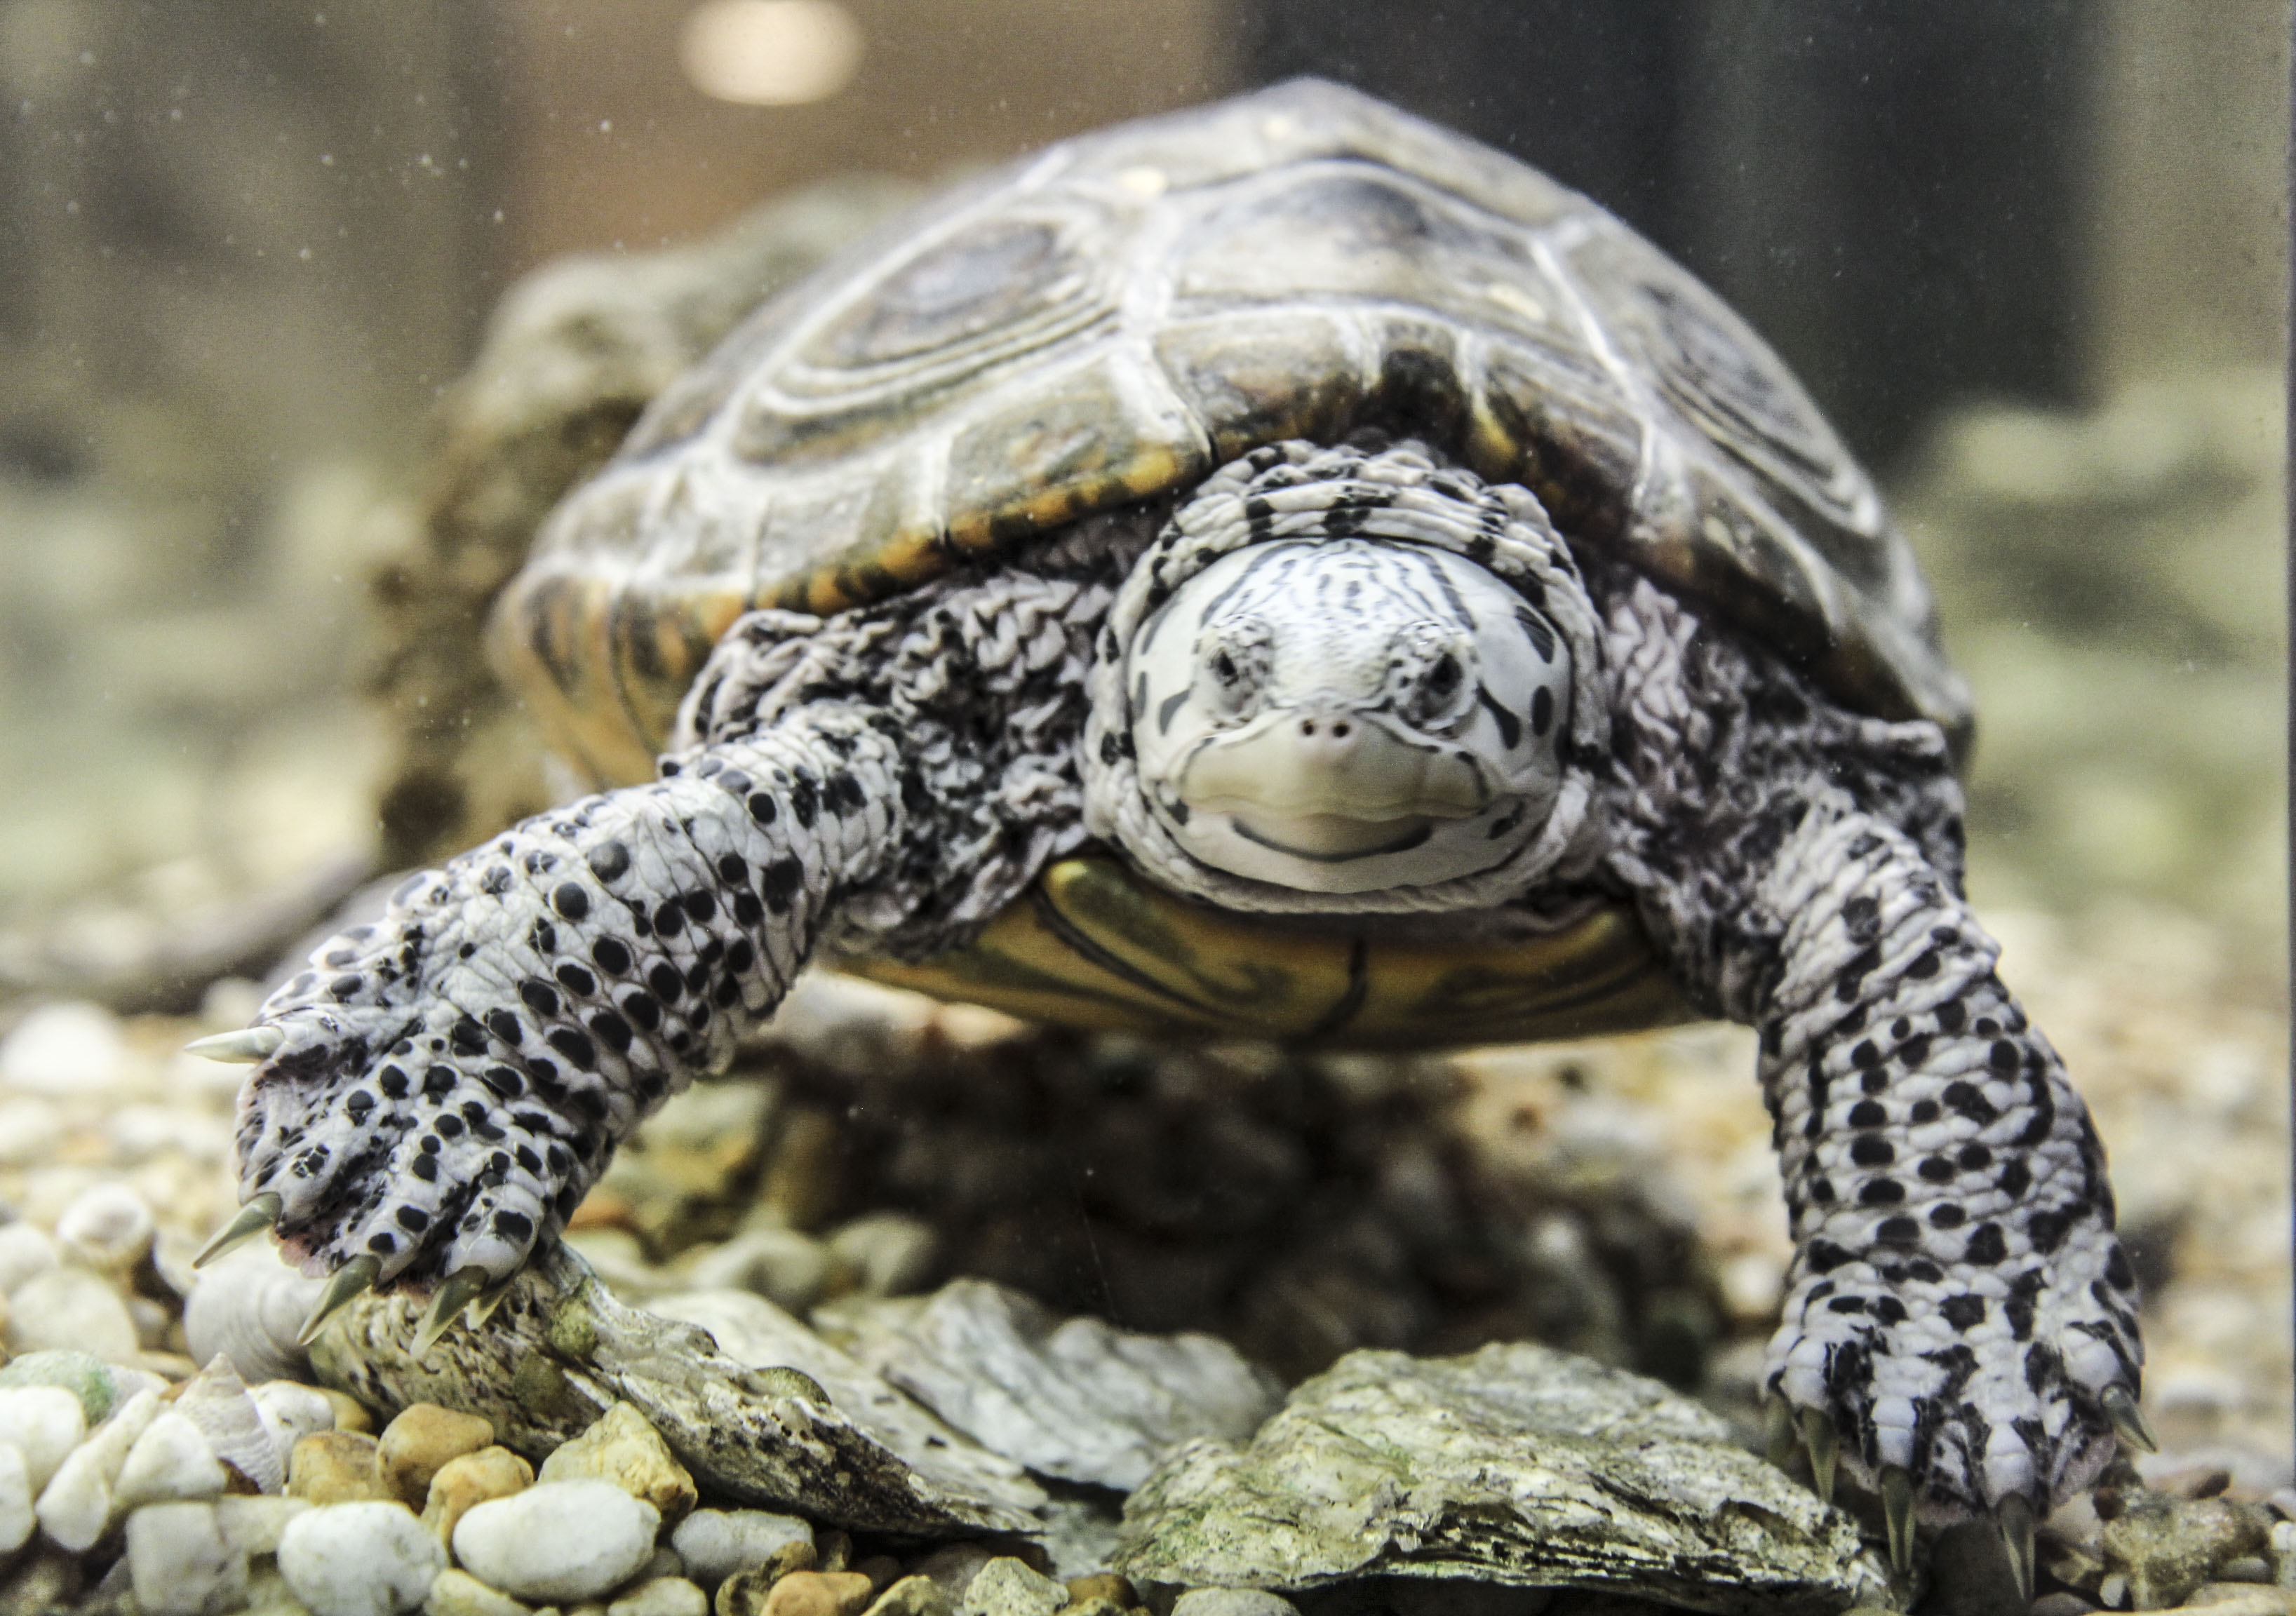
438	1090
1961	1325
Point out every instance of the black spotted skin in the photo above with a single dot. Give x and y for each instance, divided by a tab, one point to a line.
451	1079
1958	1302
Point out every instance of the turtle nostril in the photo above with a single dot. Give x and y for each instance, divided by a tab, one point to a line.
1307	727
1338	731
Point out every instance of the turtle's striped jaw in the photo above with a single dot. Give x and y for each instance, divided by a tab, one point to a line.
1349	716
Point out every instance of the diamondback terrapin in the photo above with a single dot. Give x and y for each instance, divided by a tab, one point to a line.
1279	568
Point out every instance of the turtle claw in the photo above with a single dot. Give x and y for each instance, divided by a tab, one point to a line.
249	1046
345	1285
1898	1516
2015	1516
1778	1437
2128	1422
1817	1433
259	1214
455	1293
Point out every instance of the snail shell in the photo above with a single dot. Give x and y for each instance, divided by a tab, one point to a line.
247	1305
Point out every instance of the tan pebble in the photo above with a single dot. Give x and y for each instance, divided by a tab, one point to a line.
336	1467
744	1594
1103	1585
471	1479
912	1596
622	1448
350	1414
817	1593
662	1596
459	1594
421	1441
882	1570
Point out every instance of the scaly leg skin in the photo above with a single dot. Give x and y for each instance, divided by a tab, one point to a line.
1960	1331
1958	1307
451	1080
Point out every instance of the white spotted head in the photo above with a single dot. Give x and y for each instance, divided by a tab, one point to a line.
1350	715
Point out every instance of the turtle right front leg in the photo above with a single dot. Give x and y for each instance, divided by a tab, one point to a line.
439	1090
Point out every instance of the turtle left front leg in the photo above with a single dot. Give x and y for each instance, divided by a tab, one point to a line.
1960	1326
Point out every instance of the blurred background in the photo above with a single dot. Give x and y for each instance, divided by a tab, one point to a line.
2029	254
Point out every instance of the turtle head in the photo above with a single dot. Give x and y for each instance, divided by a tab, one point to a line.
1348	715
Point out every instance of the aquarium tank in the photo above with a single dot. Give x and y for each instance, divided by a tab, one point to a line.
946	1146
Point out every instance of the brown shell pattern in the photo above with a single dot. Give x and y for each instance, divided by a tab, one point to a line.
1118	315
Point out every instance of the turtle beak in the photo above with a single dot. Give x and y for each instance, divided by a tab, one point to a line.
1322	760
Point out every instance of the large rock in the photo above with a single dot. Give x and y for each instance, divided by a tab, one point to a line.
1078	1399
1517	1464
741	1407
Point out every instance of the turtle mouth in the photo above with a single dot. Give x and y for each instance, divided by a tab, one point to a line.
1334	838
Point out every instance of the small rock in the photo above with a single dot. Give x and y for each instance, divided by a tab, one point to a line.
291	1413
787	1268
817	1593
955	1565
249	1304
369	1559
76	1505
888	1253
106	1226
716	1543
88	1377
1006	1587
474	1479
171	1461
30	1132
557	1540
16	1495
24	1251
1103	1585
622	1448
60	1050
66	1308
459	1594
420	1442
44	1423
350	1414
662	1596
744	1593
181	1563
1233	1601
255	1524
912	1596
337	1467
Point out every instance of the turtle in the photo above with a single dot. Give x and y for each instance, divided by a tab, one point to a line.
1276	568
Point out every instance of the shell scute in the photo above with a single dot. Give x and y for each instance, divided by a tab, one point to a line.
1110	320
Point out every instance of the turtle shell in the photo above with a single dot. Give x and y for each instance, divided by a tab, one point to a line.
1118	316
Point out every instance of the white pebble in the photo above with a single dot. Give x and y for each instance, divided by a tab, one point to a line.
16	1494
1234	1601
557	1540
459	1594
359	1559
73	1309
63	1049
255	1523
171	1461
716	1543
291	1411
76	1504
44	1423
30	1132
106	1225
662	1596
181	1563
24	1251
